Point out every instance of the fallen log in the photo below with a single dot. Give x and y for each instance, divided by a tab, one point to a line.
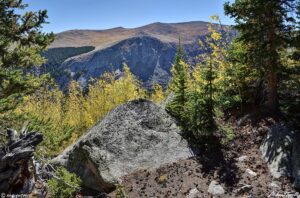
16	170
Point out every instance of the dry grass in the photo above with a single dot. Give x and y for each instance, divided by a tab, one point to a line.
166	32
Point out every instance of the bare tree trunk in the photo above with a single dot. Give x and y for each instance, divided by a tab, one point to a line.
16	172
272	64
272	97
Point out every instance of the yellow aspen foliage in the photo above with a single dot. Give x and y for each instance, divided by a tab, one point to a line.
216	43
109	92
65	117
232	78
129	86
74	106
197	78
45	103
98	101
157	95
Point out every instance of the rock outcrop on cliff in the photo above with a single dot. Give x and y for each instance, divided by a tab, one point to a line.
148	58
149	51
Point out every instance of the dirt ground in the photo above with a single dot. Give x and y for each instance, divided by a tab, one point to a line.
220	163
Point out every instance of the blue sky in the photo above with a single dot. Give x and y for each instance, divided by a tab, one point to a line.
105	14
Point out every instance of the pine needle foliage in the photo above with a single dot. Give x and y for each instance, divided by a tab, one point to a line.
21	41
179	86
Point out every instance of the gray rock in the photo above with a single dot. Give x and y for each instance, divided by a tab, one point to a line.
281	151
296	161
242	121
169	99
242	158
136	135
215	189
276	150
245	188
274	184
250	173
193	193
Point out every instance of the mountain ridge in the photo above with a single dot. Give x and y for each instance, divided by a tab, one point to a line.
167	32
148	50
148	58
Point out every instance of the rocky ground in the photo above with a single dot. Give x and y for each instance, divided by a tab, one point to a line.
234	169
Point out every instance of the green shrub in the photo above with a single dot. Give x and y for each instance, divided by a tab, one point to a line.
64	183
120	192
229	132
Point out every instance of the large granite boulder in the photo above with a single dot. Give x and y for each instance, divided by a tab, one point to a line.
281	151
136	135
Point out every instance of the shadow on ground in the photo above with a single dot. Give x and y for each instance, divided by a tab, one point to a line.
214	160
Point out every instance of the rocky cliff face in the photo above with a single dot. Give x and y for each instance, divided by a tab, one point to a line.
148	58
149	51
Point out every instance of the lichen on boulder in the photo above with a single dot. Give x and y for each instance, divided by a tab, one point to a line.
136	135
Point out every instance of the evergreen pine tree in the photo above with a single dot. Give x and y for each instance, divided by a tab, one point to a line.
289	92
201	103
179	85
238	87
263	27
21	42
295	39
202	98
